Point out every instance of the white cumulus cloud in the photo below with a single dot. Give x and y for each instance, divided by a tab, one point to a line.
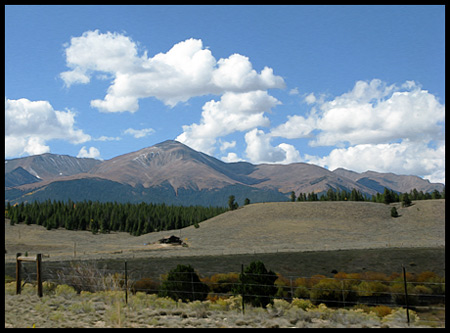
375	113
234	112
225	145
231	158
260	150
296	127
30	124
185	71
374	126
377	127
93	51
402	158
139	133
310	98
108	138
91	153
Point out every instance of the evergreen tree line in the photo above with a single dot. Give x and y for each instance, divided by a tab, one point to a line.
386	197
136	219
142	218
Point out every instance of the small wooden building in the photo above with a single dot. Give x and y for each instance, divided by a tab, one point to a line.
171	240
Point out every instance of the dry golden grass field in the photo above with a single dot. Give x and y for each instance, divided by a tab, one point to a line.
256	228
298	239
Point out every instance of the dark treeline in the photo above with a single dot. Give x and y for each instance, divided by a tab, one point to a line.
142	218
136	219
386	197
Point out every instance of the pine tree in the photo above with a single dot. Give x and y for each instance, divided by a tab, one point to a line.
331	195
293	196
257	285
183	283
435	195
387	198
394	212
406	201
93	225
231	203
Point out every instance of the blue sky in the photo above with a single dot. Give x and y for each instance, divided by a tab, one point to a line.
358	87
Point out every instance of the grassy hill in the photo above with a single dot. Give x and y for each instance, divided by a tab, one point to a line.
274	230
316	226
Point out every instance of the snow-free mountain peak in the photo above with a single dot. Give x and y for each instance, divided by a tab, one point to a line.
172	172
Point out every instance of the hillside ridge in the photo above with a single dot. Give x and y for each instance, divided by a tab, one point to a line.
256	228
173	173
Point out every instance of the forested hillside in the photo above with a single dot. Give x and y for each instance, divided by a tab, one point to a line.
143	218
135	219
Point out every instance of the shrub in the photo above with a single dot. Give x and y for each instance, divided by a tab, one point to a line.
422	290
370	275
9	279
301	292
222	283
283	287
183	283
300	282
437	283
428	276
48	287
399	315
332	292
303	304
398	294
146	285
394	212
226	303
313	280
86	276
382	310
65	291
371	288
348	283
257	285
326	290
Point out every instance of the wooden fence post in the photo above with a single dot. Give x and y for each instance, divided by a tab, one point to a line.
243	287
18	265
406	294
39	276
126	284
192	286
19	260
292	288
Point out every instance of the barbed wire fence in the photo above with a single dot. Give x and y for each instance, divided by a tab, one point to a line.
342	292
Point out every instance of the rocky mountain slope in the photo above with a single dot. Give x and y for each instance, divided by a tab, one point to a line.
173	173
378	181
176	164
46	167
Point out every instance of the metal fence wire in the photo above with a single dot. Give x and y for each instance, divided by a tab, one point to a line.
343	290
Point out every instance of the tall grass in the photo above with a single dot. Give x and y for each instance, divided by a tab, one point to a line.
62	306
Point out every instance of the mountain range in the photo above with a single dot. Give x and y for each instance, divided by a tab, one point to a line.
172	173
